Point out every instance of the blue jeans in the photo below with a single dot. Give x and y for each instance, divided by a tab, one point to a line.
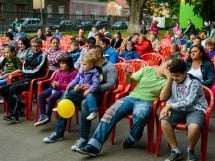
3	82
52	99
10	93
140	110
78	99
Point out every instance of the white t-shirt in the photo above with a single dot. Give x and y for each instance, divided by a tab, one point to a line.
196	73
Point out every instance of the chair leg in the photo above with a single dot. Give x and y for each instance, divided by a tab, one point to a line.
204	143
159	137
5	110
150	133
68	125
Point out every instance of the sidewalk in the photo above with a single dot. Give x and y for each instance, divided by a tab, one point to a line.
23	142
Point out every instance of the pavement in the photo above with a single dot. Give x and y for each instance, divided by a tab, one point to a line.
23	142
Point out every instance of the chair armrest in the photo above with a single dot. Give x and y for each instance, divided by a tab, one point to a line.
11	77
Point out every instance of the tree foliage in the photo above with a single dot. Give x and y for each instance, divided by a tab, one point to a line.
203	8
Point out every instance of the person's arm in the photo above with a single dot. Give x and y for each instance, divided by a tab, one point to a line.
113	57
95	80
166	90
111	77
208	81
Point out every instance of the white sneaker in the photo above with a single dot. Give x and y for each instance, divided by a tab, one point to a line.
92	116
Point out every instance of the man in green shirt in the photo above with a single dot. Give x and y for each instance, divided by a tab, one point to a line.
152	83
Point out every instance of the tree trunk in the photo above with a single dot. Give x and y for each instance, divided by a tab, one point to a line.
136	14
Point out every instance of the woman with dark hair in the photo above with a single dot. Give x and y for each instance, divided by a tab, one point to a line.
117	40
54	53
200	66
23	48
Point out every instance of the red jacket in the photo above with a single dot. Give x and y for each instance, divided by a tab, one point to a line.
144	47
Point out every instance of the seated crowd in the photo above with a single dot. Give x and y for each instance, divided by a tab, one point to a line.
82	68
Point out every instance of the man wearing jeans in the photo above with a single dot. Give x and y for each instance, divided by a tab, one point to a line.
108	83
152	82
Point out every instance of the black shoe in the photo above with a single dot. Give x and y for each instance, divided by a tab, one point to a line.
174	156
127	143
88	150
15	119
191	156
8	118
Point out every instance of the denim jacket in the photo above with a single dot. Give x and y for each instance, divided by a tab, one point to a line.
207	70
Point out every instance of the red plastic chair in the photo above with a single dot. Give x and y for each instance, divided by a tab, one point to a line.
26	95
182	126
120	59
152	58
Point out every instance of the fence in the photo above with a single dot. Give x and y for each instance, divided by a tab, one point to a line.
48	19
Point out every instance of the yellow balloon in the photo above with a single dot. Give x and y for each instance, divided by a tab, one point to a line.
66	108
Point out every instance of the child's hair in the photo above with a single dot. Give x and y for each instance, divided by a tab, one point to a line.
177	66
105	41
37	40
175	47
67	60
177	55
75	42
12	49
210	41
132	44
89	59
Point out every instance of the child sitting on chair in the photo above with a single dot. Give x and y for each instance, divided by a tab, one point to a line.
57	87
10	65
86	83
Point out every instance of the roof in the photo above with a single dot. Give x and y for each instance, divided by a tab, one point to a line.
122	3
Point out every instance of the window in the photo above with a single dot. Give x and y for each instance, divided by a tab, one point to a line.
93	14
49	11
61	11
78	13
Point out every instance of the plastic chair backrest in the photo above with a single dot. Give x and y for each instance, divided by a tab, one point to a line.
137	63
152	58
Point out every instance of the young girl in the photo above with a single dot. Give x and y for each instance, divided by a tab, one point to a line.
11	64
86	83
56	89
130	52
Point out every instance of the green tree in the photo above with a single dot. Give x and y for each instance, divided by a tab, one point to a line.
203	8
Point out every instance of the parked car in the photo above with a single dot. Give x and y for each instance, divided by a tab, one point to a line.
29	24
119	25
62	25
100	24
86	25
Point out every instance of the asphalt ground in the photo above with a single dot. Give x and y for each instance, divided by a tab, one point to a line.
23	142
